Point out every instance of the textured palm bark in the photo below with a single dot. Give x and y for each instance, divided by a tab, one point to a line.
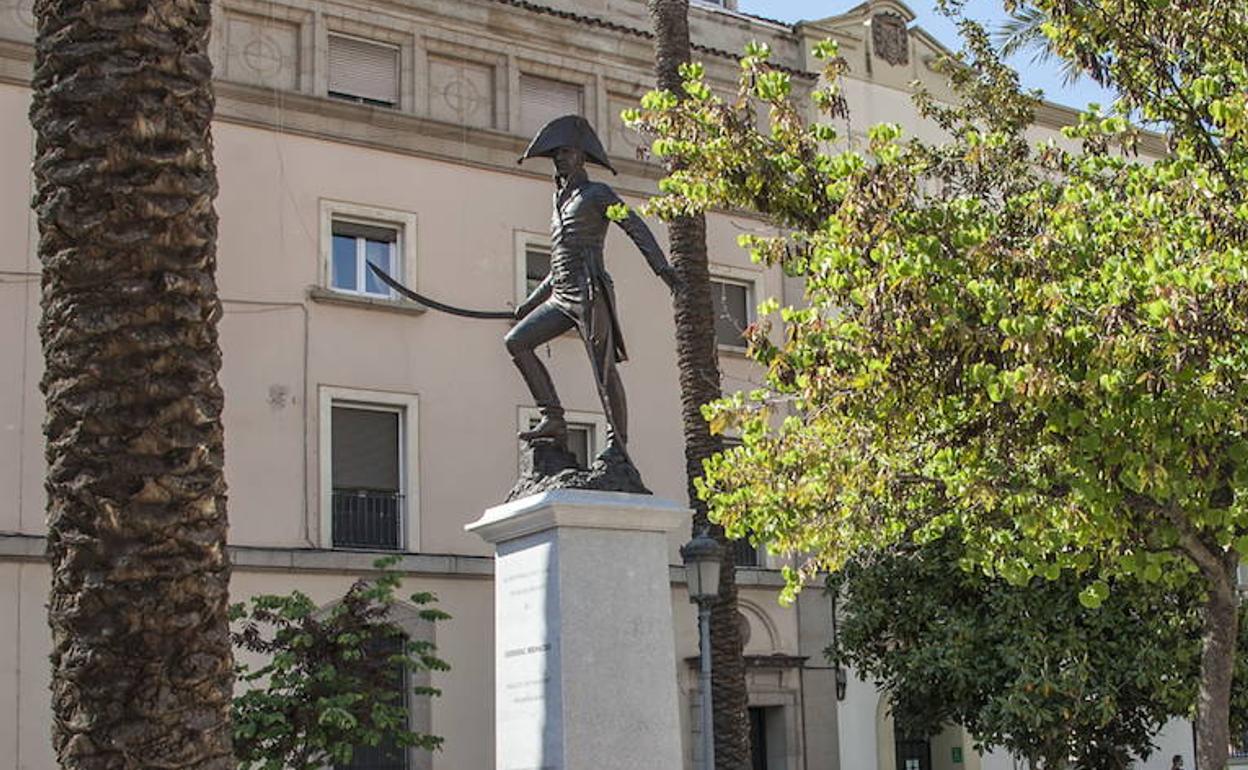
141	660
698	360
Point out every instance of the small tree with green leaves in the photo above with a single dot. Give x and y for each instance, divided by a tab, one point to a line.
1026	668
329	679
1045	348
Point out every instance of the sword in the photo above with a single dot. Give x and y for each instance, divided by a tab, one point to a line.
434	304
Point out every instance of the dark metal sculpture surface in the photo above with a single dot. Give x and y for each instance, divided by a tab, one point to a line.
578	293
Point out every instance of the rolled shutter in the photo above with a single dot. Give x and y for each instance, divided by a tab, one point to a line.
365	449
543	99
363	69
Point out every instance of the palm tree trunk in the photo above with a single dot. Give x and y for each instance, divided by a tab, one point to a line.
141	659
698	361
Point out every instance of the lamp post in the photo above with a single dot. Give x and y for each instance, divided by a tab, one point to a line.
702	556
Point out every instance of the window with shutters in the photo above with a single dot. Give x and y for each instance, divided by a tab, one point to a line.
363	71
368	448
733	302
544	99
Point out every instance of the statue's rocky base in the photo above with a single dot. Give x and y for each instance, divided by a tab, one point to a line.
548	465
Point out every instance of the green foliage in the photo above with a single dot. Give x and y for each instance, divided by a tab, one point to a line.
325	685
1044	348
1026	668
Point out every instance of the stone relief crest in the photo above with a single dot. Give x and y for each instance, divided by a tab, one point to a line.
464	100
890	38
263	55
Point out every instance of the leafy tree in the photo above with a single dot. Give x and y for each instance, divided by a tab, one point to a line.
136	504
1044	347
330	681
697	356
1027	668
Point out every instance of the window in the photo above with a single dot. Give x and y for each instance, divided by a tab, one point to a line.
418	707
543	99
363	71
356	244
387	755
586	432
352	236
1240	751
367	445
367	491
733	303
745	554
532	263
536	266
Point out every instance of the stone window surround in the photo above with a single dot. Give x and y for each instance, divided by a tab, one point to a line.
752	280
402	221
419	707
387	30
409	463
593	88
523	240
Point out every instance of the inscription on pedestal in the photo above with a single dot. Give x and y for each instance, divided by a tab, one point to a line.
528	698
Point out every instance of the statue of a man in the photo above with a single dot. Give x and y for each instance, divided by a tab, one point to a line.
578	292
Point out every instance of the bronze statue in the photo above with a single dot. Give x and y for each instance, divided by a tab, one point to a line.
578	292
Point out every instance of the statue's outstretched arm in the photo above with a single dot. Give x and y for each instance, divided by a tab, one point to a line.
639	232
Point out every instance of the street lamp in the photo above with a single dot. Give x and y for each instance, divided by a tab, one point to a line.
702	557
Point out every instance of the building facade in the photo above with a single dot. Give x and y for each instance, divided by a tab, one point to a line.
359	424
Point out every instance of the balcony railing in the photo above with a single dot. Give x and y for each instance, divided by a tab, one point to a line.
747	555
364	518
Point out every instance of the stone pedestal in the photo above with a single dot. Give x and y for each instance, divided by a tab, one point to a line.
584	656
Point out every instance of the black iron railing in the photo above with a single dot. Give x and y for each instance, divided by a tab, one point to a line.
364	518
746	554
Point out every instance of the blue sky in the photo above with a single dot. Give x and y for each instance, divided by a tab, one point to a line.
1043	75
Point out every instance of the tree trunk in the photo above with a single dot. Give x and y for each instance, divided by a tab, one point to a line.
698	360
1217	665
141	659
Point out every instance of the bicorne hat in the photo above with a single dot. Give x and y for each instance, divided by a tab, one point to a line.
568	131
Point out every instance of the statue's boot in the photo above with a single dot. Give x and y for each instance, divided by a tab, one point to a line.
552	425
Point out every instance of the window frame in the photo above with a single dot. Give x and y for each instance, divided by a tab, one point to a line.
397	104
407	406
596	421
403	250
748	279
419	708
555	70
523	240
